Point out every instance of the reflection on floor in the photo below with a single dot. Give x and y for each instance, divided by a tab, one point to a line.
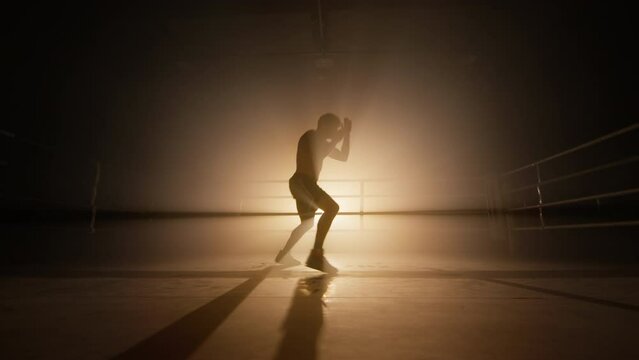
416	298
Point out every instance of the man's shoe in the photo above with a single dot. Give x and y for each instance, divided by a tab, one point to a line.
317	261
286	259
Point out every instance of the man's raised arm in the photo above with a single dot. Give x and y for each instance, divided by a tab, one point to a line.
342	155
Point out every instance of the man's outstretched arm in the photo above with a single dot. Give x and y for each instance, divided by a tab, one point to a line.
342	155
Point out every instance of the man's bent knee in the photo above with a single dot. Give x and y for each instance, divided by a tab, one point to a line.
332	209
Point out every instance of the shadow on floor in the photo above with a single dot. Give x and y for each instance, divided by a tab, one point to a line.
303	324
589	299
183	337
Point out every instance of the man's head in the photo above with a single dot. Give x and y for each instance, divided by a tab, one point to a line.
329	125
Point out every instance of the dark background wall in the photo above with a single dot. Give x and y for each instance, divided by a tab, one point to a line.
182	102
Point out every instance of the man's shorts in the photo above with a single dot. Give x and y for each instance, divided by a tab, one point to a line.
307	195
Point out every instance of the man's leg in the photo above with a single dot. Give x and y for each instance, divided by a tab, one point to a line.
306	209
330	208
297	233
314	197
316	259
